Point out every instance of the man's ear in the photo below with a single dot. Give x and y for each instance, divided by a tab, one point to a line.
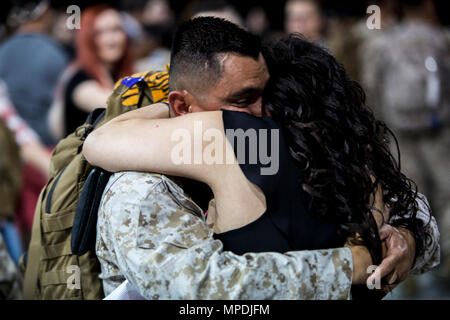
178	103
182	102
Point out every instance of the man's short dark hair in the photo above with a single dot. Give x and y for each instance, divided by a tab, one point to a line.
196	49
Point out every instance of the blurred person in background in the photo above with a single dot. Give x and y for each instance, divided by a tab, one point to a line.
10	185
32	152
305	17
257	21
219	9
157	23
348	32
63	35
132	12
407	75
103	56
30	65
10	279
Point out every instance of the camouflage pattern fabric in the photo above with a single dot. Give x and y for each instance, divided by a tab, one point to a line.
10	280
153	235
405	73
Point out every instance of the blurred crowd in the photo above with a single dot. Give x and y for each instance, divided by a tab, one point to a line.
56	67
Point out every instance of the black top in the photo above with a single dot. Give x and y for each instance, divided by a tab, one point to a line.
74	116
286	225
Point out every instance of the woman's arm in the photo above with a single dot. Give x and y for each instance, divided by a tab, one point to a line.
150	112
135	141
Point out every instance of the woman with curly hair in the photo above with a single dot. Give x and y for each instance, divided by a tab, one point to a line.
336	177
335	139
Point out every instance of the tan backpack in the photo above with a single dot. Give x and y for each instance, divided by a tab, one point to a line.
10	172
61	262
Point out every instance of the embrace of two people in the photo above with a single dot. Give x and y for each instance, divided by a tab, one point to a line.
336	205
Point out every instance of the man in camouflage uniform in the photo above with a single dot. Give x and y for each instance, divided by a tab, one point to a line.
10	280
152	234
406	74
10	180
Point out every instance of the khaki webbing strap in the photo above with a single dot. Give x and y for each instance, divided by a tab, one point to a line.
34	255
62	222
54	277
90	282
57	250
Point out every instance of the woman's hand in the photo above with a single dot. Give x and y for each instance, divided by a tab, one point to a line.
398	246
400	253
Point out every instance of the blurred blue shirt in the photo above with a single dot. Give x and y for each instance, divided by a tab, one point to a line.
30	65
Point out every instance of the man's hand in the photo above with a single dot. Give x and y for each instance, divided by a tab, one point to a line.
400	254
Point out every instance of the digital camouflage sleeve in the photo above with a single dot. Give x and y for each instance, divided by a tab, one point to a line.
10	280
154	236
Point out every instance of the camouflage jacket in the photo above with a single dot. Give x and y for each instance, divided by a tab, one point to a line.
10	280
153	235
405	73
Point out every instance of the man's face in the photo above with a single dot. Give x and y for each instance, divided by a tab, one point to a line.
240	88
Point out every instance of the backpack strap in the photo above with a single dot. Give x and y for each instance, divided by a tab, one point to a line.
30	289
95	116
84	227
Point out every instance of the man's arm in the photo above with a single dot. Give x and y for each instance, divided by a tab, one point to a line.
165	249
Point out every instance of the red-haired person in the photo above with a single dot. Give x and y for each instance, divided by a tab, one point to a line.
103	56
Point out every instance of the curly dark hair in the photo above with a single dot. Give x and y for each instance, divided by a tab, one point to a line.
334	138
